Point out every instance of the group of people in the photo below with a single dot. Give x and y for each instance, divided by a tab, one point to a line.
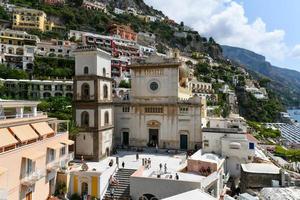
146	162
165	167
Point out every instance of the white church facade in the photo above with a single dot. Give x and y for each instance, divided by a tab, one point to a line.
158	111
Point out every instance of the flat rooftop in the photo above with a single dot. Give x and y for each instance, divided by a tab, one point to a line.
260	168
192	195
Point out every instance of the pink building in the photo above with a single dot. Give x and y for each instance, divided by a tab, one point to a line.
33	148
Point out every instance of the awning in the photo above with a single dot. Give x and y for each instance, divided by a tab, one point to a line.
33	155
6	138
3	170
55	145
42	128
67	142
24	133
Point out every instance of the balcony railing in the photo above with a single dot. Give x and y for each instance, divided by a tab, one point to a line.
53	166
32	178
85	97
26	115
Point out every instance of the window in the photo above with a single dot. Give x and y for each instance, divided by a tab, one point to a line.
85	119
85	91
104	72
106	118
126	109
184	109
206	143
51	155
154	110
251	145
153	86
63	151
86	70
29	167
105	92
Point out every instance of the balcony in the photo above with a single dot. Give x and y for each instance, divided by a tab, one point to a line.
32	178
52	166
25	115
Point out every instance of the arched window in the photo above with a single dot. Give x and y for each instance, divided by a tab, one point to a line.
104	72
85	91
105	92
106	118
86	70
85	119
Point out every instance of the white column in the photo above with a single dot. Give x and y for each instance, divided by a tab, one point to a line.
34	111
19	112
2	114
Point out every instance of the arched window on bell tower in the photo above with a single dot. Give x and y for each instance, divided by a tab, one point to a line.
85	119
106	118
105	92
85	91
86	70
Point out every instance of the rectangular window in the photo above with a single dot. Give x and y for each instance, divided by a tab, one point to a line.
251	145
51	155
29	167
184	109
206	143
63	151
154	110
126	109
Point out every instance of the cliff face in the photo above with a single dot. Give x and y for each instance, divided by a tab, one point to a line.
284	82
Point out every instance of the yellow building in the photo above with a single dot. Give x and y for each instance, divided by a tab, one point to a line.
31	19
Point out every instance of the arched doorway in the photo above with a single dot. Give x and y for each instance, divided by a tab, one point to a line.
148	197
84	188
153	127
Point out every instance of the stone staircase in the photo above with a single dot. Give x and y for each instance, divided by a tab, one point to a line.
122	190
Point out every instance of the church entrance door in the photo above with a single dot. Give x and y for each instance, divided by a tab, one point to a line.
153	137
183	141
125	139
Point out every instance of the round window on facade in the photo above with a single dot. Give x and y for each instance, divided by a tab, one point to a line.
153	86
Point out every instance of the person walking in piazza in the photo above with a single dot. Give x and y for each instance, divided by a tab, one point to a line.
160	167
149	162
123	164
137	156
165	166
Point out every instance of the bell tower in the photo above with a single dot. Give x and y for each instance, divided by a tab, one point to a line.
93	109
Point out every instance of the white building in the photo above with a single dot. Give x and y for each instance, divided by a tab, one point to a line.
119	11
55	48
17	48
94	5
229	140
155	114
37	89
93	102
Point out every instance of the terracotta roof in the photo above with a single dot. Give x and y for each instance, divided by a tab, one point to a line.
42	128
251	138
24	132
6	138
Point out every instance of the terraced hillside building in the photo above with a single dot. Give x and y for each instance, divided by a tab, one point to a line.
159	111
93	102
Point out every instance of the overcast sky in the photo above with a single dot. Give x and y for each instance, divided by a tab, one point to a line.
267	27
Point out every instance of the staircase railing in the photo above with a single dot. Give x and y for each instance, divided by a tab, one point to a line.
103	191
